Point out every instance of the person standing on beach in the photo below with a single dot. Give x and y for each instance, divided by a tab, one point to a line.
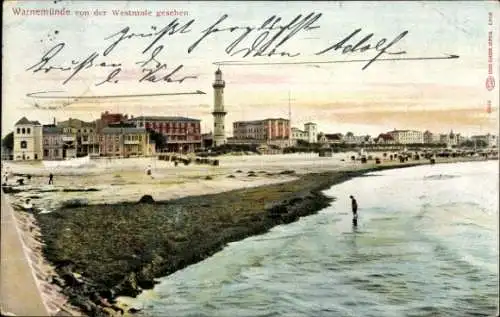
51	179
354	207
149	171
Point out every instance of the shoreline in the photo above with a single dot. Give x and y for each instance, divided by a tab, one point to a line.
283	203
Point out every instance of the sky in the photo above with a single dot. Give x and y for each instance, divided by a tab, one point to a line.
437	94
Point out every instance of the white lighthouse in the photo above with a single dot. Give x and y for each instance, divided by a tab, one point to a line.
219	113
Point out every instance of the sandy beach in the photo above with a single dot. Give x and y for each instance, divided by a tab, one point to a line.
120	181
112	181
126	180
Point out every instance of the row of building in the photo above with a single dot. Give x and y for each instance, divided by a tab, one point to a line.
119	135
272	130
111	135
409	137
116	134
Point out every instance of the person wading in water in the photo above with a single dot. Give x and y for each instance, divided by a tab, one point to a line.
354	206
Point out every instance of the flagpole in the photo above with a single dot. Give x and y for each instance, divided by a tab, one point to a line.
289	120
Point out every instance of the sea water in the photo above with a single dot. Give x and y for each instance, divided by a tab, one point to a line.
426	245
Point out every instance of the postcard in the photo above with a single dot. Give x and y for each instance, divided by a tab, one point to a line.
264	158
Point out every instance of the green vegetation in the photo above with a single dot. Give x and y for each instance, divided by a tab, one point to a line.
303	147
8	141
158	138
473	144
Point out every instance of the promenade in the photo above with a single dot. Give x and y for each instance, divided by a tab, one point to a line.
19	293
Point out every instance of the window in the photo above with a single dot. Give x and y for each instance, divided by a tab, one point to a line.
45	152
18	130
24	144
56	152
29	130
23	130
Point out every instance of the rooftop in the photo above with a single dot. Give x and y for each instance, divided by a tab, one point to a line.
385	136
162	118
333	136
75	123
23	120
262	120
52	129
403	131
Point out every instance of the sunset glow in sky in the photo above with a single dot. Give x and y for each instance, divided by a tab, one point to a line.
439	95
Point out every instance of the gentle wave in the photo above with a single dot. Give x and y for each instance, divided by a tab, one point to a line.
422	248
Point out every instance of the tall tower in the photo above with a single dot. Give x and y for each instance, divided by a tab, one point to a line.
219	113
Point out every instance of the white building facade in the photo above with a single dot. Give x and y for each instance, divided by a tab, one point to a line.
407	136
311	130
298	134
28	140
309	134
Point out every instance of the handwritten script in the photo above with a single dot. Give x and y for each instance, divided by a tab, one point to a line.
252	44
